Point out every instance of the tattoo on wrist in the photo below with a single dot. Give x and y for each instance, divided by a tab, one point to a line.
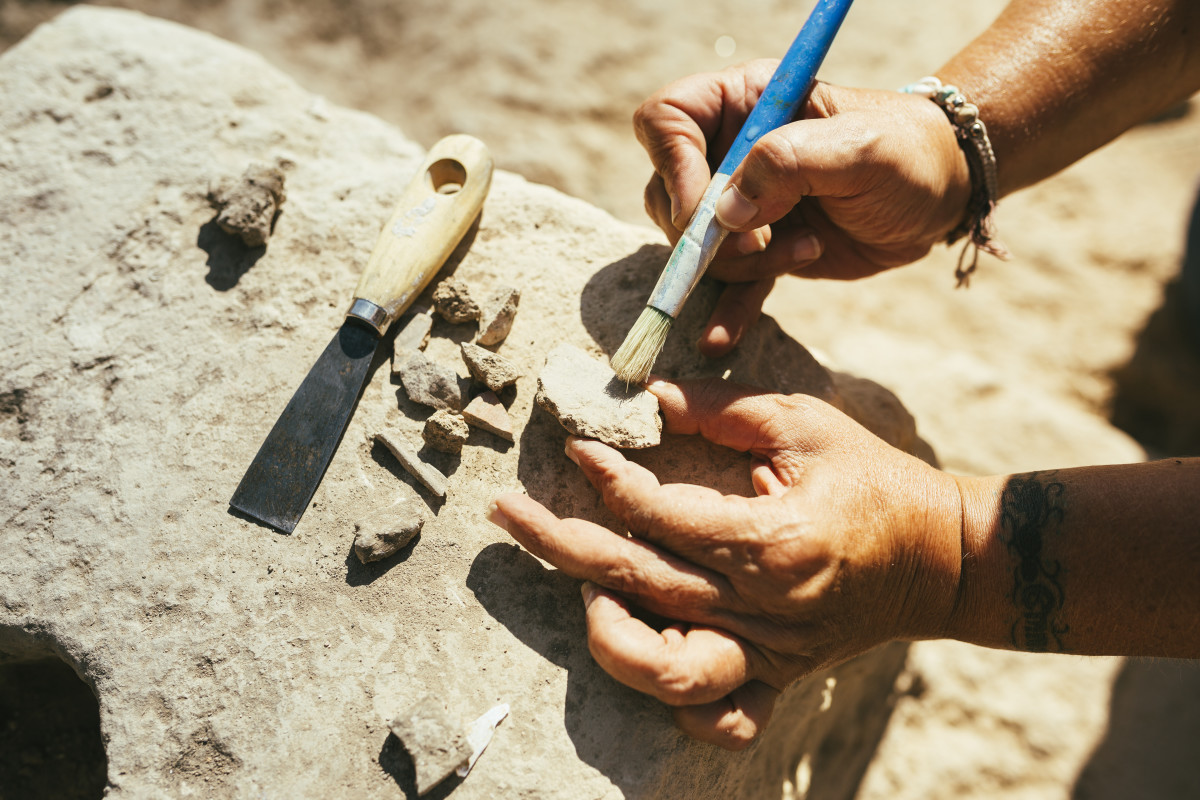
1031	509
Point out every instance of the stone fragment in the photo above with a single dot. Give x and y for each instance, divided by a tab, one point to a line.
588	399
383	532
488	368
429	476
430	383
411	338
452	299
488	413
446	431
496	315
248	207
435	740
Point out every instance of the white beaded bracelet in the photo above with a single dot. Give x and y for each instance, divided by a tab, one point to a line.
972	135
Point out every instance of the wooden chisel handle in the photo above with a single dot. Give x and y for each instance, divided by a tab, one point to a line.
437	207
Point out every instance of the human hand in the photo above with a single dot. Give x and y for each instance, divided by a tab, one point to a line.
849	543
867	181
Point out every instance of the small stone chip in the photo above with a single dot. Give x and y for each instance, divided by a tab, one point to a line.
446	431
412	337
429	383
384	532
248	207
588	399
436	741
452	299
489	368
488	413
429	476
496	315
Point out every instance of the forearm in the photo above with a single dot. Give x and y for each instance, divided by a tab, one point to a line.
1096	560
1057	79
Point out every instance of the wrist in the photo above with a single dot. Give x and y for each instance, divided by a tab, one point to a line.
972	617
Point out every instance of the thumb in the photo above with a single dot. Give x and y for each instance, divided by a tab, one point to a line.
737	416
826	157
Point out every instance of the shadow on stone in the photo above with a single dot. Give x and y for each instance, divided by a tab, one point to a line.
396	761
50	743
1149	749
228	257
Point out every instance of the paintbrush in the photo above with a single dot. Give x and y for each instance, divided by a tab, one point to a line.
780	101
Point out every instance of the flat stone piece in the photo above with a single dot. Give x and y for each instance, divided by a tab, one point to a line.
491	369
588	399
452	299
496	315
411	338
487	412
435	740
429	476
446	431
383	532
248	207
430	383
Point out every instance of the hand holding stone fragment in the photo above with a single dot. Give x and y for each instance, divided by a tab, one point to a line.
849	543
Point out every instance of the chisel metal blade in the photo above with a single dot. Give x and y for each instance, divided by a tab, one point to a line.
285	474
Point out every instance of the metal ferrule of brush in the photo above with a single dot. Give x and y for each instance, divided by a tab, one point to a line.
692	253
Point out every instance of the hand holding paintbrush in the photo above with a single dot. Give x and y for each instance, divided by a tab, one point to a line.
781	100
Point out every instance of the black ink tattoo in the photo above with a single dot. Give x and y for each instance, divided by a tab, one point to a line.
1031	508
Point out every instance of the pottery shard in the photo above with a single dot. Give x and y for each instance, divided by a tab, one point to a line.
248	207
429	476
446	431
412	337
385	531
488	413
436	741
430	383
495	371
497	314
452	299
588	399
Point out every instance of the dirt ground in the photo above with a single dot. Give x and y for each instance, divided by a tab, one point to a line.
1088	313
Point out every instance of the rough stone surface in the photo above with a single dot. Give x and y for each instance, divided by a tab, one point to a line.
427	474
248	207
385	531
488	413
412	336
446	432
230	661
430	383
497	314
491	369
589	400
452	299
435	741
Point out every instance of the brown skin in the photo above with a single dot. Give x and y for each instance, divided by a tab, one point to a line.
877	176
851	543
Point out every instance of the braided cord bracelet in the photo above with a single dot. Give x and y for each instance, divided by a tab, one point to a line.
972	135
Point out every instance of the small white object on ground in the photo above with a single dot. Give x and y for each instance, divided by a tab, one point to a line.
479	736
428	475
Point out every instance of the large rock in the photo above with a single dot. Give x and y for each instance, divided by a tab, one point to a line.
147	355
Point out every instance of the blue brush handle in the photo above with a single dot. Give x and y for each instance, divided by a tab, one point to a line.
777	106
791	82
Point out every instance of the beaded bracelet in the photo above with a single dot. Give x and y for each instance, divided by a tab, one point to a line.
972	135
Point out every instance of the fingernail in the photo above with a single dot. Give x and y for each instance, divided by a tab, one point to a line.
733	209
806	249
675	210
654	381
751	242
569	449
588	589
496	516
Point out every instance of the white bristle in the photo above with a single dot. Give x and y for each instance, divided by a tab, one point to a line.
636	356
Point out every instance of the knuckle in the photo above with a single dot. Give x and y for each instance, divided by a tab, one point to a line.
678	687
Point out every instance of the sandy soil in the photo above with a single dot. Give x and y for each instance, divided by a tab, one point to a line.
1085	319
